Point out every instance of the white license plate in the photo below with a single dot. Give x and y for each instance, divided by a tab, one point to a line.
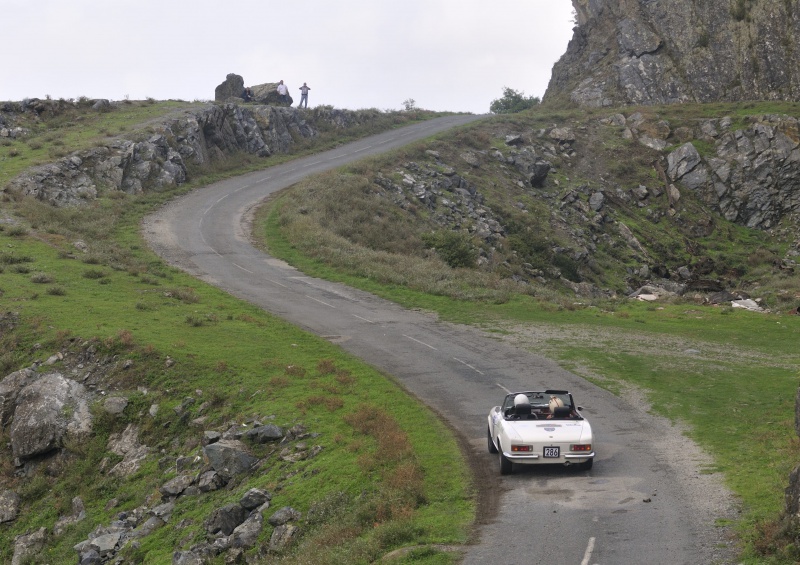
552	452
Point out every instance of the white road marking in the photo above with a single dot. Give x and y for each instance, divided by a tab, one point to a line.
587	557
468	365
420	342
504	388
242	268
321	302
276	282
360	318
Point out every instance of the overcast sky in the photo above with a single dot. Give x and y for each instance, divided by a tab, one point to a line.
445	54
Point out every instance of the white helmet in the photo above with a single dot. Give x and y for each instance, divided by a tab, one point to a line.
521	399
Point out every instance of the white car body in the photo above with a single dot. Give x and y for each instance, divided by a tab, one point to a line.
550	431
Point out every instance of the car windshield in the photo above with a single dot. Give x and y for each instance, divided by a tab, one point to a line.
541	400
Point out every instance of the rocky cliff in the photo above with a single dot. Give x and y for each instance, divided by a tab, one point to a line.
642	52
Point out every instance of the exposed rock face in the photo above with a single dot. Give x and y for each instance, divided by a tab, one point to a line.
198	137
627	52
752	178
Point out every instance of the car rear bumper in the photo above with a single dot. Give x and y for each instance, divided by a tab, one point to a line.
536	459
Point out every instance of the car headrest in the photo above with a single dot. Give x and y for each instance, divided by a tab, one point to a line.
562	412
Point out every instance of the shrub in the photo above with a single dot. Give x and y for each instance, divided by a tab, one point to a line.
513	102
41	278
93	274
454	248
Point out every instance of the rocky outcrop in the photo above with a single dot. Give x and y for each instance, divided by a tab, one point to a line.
162	160
752	176
638	52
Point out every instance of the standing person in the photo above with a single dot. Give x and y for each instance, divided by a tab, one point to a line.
283	92
304	95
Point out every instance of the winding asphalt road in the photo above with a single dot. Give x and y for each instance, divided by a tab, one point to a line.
643	502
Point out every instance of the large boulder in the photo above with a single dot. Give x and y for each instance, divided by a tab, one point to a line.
267	94
49	411
231	88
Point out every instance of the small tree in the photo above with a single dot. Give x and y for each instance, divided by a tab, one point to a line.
512	102
409	104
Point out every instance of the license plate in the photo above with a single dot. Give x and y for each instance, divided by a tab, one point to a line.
552	452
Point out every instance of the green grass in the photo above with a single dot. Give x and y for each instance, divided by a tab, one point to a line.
122	302
240	355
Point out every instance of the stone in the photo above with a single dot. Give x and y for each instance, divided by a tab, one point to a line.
264	434
232	87
267	93
596	201
187	558
176	486
115	405
282	537
26	547
9	506
10	388
106	543
78	514
284	515
224	520
245	535
126	444
47	411
229	457
254	498
681	161
210	481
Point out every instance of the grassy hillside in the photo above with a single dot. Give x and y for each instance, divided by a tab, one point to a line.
729	375
78	287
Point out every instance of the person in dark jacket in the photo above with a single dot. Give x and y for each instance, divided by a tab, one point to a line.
304	95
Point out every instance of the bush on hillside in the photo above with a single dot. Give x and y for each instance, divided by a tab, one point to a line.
513	102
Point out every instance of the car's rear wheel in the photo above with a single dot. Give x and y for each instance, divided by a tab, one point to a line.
505	464
587	466
490	443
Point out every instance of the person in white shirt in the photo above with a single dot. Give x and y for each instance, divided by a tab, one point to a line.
283	92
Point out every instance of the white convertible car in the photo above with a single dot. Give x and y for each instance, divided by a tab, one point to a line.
540	427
